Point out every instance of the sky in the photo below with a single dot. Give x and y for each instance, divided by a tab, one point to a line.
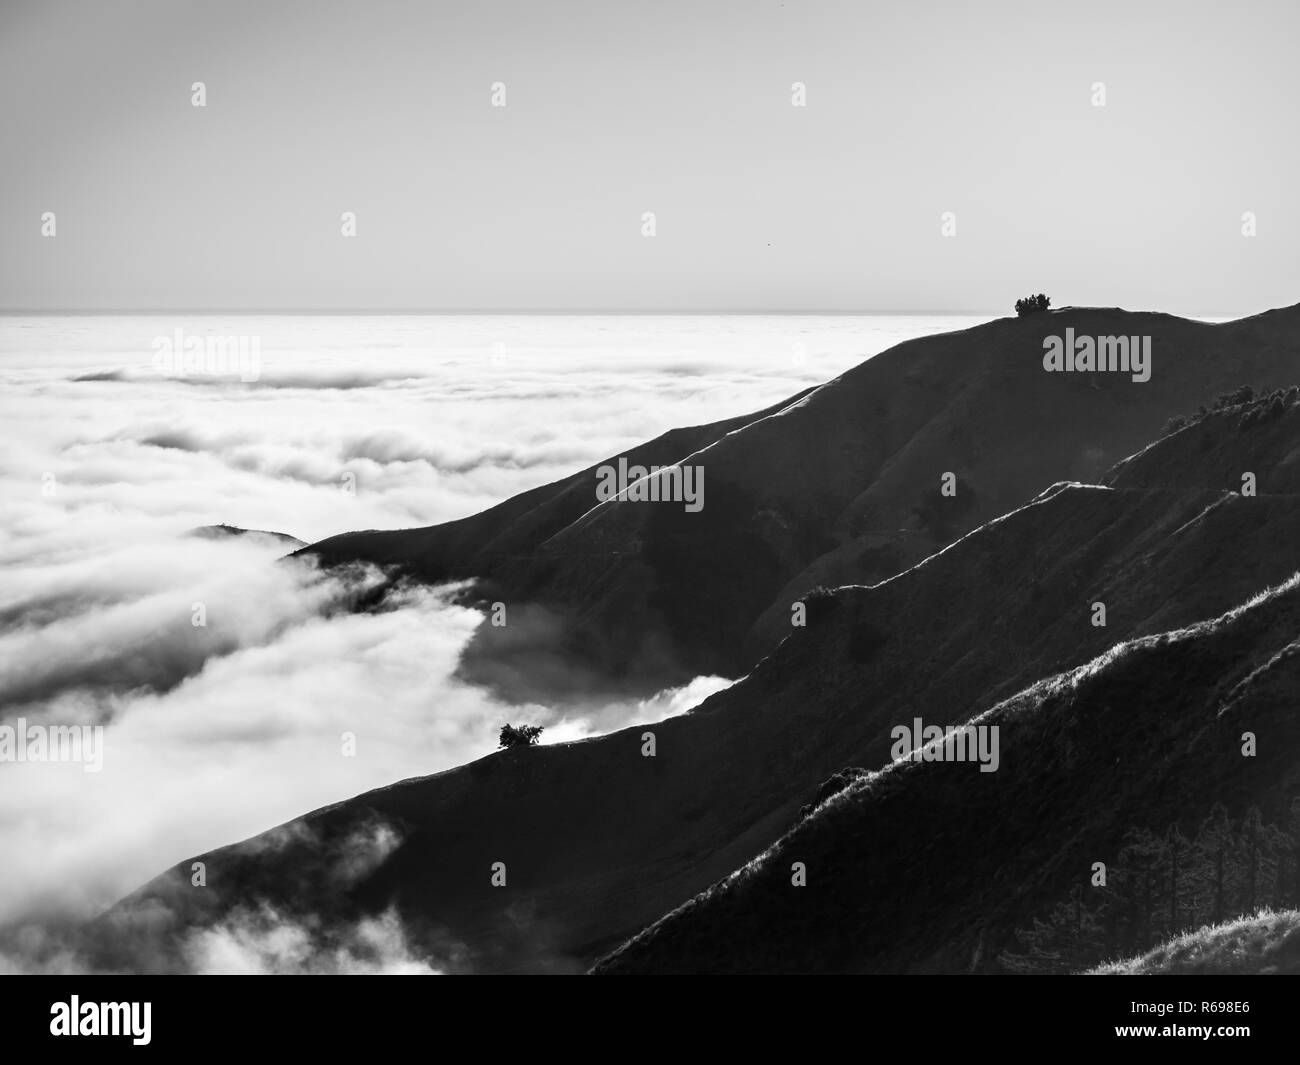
986	113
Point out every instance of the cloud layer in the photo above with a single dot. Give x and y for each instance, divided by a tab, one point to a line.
237	689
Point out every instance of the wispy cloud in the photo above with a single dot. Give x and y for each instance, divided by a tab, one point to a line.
239	690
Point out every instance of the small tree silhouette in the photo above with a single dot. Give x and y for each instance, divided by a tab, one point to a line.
521	736
1032	305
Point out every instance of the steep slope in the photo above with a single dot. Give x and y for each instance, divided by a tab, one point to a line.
600	839
1148	734
840	484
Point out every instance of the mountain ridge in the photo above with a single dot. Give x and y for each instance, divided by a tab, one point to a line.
1164	544
836	484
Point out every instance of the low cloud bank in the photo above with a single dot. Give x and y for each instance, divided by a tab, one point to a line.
238	691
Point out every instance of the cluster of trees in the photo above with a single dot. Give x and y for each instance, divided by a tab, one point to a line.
1162	885
1270	405
1244	394
1276	406
520	735
1032	305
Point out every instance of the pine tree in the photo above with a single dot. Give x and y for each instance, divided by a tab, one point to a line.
1162	885
1294	833
1071	936
1214	842
1144	855
1182	900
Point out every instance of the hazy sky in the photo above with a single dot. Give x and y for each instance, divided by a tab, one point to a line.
384	108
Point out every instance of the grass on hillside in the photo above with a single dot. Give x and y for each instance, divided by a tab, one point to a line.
1267	942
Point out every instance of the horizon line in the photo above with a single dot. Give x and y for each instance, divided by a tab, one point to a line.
16	312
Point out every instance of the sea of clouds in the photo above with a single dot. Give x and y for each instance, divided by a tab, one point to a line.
214	733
